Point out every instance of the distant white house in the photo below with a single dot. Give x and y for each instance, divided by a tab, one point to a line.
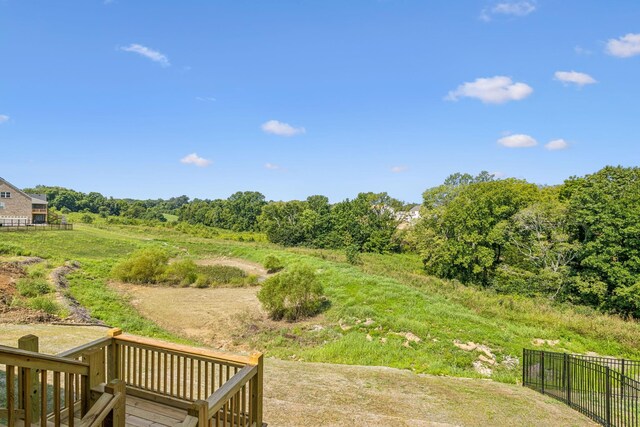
410	216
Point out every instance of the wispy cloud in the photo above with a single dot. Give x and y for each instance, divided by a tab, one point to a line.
272	166
399	169
582	51
194	159
149	53
556	144
205	98
491	90
517	141
282	129
574	77
509	8
3	118
625	46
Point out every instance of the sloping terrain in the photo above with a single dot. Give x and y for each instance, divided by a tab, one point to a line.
302	394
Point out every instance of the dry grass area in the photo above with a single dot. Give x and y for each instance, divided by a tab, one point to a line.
252	268
301	394
211	315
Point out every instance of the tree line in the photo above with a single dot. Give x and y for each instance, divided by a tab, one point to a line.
577	242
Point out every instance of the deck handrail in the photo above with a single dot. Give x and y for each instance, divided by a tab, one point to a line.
111	404
238	402
227	358
39	377
93	345
221	396
29	359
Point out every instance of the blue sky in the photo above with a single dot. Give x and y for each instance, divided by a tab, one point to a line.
291	98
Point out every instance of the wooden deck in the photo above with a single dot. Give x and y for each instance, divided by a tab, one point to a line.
144	413
139	413
123	380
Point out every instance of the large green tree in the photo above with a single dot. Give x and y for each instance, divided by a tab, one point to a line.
604	212
465	237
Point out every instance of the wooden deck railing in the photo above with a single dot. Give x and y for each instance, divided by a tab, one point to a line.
221	388
41	387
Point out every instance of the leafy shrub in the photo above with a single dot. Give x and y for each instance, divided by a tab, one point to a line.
183	272
31	288
86	219
222	275
273	264
143	266
44	303
201	281
293	294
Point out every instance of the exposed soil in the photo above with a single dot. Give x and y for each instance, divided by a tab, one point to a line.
302	394
10	272
77	313
211	315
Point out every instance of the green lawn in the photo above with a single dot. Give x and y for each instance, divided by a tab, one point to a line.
388	289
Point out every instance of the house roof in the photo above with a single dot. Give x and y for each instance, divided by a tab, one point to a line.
38	197
416	208
42	198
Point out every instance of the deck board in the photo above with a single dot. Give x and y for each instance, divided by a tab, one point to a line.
142	413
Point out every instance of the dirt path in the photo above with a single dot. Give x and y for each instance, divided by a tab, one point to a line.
214	314
302	394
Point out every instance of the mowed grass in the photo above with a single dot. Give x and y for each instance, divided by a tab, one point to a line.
372	306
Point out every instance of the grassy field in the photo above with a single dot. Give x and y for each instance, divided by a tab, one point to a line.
372	306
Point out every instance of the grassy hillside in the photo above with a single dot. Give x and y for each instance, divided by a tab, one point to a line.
373	306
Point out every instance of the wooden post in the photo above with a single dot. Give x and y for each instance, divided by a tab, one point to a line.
97	376
113	355
257	359
30	385
116	417
200	410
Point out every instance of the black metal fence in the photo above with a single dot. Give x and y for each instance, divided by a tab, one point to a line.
605	389
35	227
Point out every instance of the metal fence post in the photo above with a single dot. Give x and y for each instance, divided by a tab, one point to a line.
524	367
542	372
608	397
568	370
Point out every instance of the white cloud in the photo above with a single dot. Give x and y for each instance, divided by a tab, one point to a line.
574	77
205	98
153	55
517	141
194	159
513	8
399	169
3	118
491	90
556	144
282	129
625	46
272	167
498	174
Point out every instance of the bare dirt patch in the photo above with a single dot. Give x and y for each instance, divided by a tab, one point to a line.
251	268
210	315
10	272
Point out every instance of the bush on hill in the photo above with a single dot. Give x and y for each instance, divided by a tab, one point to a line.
293	294
143	266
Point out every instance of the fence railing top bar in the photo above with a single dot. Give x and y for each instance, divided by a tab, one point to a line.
25	358
219	397
228	358
587	357
77	351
